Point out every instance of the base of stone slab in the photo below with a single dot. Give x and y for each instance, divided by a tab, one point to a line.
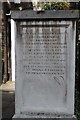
27	117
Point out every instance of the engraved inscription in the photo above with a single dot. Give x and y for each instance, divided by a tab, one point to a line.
44	51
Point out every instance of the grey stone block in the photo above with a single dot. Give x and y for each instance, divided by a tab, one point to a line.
49	14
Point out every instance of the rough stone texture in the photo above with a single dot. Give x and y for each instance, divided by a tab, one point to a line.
4	46
5	29
50	14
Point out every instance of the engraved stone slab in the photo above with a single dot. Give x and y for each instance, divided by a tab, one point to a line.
45	67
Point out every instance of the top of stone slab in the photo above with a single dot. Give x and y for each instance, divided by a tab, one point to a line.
48	14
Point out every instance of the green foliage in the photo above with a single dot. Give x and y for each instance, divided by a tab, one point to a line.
47	6
56	6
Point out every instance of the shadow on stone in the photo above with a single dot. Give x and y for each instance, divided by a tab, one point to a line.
8	103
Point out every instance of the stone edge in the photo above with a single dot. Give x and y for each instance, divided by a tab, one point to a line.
26	117
48	14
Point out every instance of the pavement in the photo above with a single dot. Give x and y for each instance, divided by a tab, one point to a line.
8	100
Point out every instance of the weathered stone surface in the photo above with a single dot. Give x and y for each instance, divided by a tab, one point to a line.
50	14
44	65
25	117
44	74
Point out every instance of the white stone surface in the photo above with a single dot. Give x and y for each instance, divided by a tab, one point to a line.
45	67
13	38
